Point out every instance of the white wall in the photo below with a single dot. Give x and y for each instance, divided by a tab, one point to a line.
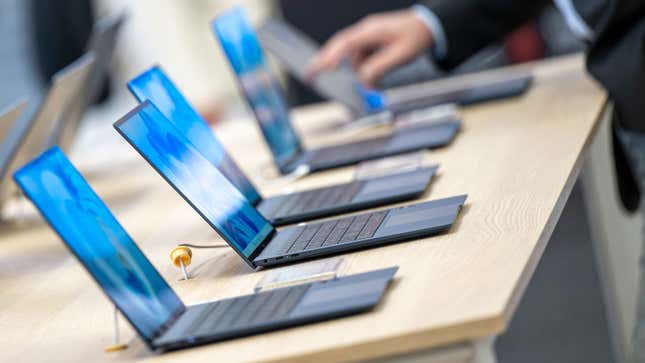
177	35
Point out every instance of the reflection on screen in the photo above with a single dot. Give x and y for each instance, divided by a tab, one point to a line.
93	234
243	51
155	86
186	169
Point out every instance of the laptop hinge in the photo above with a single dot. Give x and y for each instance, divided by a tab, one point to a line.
168	324
262	245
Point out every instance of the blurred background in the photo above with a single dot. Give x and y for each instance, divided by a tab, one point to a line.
39	37
562	314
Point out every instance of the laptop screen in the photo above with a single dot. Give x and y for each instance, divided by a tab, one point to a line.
242	48
100	243
195	178
155	86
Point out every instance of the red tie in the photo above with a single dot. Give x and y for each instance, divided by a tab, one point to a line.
524	44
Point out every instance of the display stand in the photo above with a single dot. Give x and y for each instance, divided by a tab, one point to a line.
117	346
270	177
428	115
300	274
391	165
367	122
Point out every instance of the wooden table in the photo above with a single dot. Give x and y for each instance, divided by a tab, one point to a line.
517	160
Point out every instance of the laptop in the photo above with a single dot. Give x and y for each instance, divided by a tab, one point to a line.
294	50
136	288
38	132
265	98
155	86
10	139
463	90
242	226
102	44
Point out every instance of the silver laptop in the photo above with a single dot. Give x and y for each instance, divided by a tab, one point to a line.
38	131
102	44
10	138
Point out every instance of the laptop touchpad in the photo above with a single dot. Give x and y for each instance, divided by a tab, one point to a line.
418	217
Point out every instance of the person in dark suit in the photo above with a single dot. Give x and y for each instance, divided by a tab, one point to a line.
452	30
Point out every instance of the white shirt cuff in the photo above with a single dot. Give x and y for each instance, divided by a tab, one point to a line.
430	19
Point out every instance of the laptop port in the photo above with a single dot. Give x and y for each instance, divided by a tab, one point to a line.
278	258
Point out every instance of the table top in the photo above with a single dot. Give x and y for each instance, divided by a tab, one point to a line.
517	160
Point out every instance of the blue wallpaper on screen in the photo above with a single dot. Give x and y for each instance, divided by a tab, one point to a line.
193	176
262	91
97	239
155	86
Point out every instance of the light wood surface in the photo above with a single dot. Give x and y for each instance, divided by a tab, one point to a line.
517	160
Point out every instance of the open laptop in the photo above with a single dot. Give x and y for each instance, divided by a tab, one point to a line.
137	289
102	44
295	50
262	92
9	116
38	132
254	238
10	139
155	86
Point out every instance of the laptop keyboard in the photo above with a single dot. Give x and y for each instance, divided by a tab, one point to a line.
247	310
349	152
336	232
318	199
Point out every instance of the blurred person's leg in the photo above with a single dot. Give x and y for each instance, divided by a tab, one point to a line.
634	143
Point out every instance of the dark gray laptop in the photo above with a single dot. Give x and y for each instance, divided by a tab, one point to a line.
254	238
102	44
10	139
295	50
155	86
136	288
264	96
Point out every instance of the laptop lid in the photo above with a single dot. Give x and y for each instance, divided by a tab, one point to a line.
295	50
9	114
201	184
100	243
10	139
39	132
155	86
260	88
102	43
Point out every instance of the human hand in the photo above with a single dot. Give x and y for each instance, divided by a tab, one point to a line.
375	45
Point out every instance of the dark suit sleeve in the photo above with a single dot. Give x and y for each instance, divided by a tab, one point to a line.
470	25
617	60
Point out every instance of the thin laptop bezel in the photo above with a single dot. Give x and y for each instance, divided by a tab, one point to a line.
260	246
172	318
159	68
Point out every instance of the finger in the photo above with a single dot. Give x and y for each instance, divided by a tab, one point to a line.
353	40
375	66
329	55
